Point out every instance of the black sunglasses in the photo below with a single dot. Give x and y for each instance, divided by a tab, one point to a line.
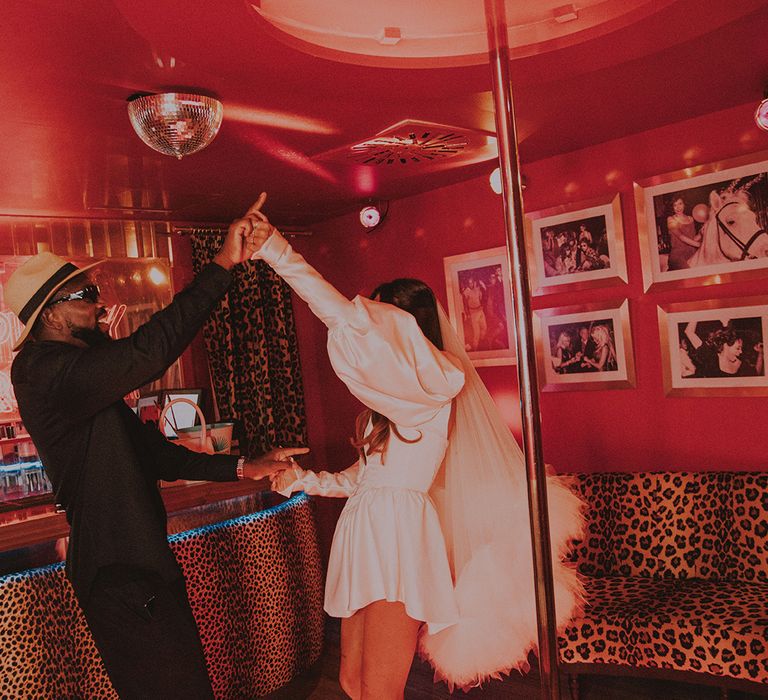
89	293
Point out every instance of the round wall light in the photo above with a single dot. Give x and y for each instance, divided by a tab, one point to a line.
761	115
495	181
370	217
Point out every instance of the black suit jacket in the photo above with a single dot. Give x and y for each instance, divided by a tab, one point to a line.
586	349
103	462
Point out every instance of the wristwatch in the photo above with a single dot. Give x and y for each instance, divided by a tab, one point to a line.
240	468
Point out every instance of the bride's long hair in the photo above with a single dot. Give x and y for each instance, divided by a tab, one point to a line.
415	297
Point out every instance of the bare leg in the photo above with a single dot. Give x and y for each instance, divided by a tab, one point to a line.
389	643
476	334
483	330
352	653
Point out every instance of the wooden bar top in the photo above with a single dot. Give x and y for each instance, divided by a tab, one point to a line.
36	523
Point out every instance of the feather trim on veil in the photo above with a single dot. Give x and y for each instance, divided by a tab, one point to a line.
482	501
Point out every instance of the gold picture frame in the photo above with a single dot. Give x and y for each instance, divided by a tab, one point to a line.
723	210
714	347
480	305
576	246
600	355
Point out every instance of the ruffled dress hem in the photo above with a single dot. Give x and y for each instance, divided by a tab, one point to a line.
432	626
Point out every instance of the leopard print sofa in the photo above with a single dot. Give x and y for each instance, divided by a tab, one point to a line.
255	585
676	572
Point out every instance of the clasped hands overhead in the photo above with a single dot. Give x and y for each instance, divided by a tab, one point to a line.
245	236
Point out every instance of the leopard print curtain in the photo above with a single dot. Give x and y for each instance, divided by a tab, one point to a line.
253	353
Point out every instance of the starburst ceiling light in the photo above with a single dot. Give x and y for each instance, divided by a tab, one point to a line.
176	123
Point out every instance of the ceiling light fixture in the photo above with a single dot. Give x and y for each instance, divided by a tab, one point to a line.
761	115
494	180
565	13
175	123
372	215
390	36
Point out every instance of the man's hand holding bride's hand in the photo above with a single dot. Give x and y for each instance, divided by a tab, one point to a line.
272	462
281	481
245	236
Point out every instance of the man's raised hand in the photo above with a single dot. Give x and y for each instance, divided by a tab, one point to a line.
261	229
240	242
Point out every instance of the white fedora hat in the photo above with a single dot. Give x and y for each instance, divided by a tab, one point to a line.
29	288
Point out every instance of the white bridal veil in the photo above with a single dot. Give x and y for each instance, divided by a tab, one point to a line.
481	498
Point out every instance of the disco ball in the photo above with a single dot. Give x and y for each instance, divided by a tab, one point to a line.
176	123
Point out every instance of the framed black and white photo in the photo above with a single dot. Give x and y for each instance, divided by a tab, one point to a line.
704	225
576	246
714	347
480	305
584	347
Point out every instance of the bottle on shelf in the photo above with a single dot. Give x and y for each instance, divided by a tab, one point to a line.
21	473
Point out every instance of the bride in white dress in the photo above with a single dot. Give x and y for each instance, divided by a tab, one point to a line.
423	556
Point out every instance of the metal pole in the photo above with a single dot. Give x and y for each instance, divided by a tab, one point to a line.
498	53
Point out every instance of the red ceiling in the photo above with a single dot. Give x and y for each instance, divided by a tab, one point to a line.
66	69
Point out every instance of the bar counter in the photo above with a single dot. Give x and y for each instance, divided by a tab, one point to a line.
24	525
255	585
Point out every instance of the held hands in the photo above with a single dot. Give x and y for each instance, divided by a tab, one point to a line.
245	236
261	228
273	461
281	481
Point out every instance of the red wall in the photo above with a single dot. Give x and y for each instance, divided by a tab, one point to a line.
630	429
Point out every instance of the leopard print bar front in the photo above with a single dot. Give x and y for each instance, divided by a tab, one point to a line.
256	589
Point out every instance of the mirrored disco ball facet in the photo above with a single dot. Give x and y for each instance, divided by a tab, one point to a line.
176	123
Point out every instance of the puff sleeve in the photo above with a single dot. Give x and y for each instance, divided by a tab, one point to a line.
376	349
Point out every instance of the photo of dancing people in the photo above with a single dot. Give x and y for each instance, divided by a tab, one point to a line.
484	316
714	224
576	246
721	348
577	348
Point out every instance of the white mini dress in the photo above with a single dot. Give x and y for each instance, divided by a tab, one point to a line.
388	543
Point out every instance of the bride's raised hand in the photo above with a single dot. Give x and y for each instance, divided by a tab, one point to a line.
237	246
261	228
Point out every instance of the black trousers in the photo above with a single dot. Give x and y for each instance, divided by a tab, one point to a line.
146	634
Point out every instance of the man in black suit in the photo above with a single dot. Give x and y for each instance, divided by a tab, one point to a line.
584	347
104	463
